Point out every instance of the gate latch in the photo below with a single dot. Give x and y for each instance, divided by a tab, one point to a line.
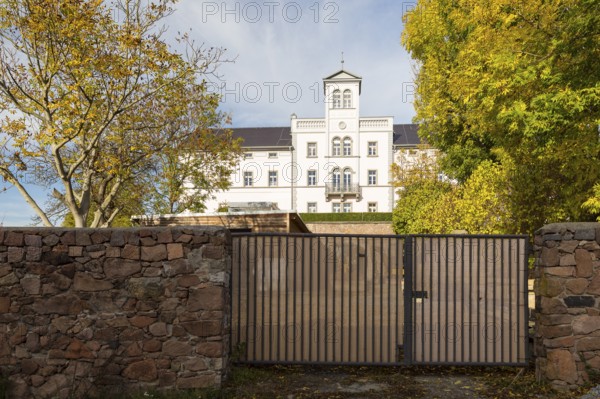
419	294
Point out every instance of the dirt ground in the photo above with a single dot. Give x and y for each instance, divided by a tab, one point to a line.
294	382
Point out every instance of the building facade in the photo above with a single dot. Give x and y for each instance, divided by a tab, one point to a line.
338	163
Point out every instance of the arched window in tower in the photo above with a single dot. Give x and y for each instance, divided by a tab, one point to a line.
335	179
347	178
347	98
336	99
347	146
336	147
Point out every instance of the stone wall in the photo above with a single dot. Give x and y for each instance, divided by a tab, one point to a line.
567	285
84	310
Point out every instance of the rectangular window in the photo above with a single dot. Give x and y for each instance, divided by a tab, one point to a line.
312	177
248	179
272	178
372	178
372	206
347	207
336	207
247	155
311	207
372	150
272	155
311	150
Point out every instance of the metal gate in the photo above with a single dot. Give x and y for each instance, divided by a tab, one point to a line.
379	300
466	300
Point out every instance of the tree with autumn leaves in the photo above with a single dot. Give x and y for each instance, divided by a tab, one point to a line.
98	109
511	88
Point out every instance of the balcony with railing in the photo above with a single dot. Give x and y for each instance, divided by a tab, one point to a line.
342	190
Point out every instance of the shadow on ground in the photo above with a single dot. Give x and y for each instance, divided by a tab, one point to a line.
294	382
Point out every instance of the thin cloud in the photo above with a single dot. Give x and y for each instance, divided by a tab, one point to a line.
278	53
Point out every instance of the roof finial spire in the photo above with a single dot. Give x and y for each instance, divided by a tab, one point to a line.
342	60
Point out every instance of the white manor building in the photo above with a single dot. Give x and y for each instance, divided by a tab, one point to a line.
338	163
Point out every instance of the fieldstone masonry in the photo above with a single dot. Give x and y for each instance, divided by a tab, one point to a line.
106	310
567	287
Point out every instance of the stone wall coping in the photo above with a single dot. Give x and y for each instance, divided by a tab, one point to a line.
561	228
110	229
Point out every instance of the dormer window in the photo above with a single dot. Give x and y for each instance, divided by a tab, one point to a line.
347	98
336	99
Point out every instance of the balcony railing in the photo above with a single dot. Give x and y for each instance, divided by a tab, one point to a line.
371	123
311	124
342	189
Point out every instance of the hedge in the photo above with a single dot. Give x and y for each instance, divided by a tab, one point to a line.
347	217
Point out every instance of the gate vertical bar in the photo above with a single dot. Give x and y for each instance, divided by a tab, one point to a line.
365	324
262	292
510	313
373	291
518	316
350	353
389	319
318	344
254	296
279	271
357	300
248	298
333	314
408	283
342	326
239	293
270	298
381	318
294	301
528	251
326	337
310	297
302	310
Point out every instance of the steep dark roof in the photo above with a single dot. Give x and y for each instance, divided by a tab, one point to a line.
405	135
264	136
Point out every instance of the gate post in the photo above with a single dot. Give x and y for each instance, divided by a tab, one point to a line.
567	300
408	297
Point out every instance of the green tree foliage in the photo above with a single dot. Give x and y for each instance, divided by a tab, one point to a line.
186	179
421	208
482	201
593	203
421	194
92	99
428	205
521	79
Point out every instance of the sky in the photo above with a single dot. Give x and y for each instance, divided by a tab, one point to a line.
277	54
